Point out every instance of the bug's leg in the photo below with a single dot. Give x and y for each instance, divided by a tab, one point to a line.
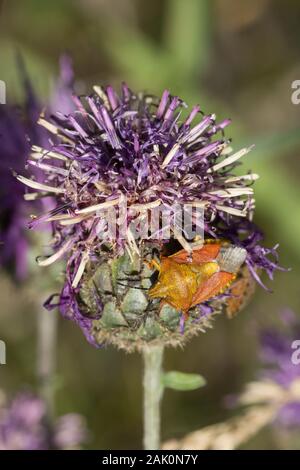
185	315
200	255
183	318
153	264
216	284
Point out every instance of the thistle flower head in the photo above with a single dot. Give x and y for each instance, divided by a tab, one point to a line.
24	426
136	150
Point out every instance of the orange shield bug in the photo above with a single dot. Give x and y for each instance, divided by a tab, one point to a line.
188	279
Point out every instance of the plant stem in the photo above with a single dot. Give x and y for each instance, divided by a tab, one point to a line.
153	389
46	356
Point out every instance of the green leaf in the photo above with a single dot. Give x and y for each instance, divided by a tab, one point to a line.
183	382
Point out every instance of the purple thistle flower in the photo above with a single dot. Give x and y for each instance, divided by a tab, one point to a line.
276	355
276	350
136	146
246	234
24	426
289	415
18	127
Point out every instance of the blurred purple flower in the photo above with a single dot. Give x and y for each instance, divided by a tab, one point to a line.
24	426
13	150
70	431
61	99
18	127
289	415
276	356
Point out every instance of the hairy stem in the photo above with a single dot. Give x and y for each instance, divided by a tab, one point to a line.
46	356
153	389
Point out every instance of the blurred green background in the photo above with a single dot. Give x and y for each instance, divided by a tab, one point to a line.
235	58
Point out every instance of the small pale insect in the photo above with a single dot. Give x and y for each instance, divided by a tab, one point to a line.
188	279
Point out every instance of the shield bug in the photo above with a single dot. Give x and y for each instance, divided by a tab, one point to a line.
188	279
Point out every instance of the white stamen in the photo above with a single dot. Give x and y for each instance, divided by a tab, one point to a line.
35	185
31	196
232	192
250	177
229	160
57	255
171	154
39	152
96	207
51	168
231	210
128	249
80	270
100	92
53	129
132	243
58	217
74	220
226	150
48	125
101	186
